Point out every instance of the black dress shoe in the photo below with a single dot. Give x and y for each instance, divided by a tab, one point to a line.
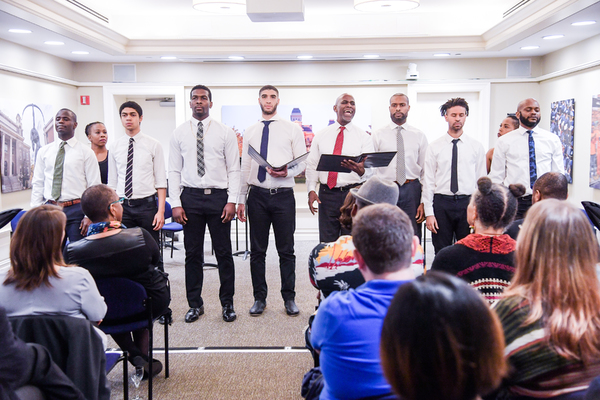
228	313
156	368
193	314
258	308
290	308
166	318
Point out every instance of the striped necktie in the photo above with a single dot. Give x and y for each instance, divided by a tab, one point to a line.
129	170
200	150
58	171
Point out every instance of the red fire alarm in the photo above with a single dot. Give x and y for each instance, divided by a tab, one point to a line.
85	100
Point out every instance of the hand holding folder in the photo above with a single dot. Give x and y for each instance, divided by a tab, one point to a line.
331	162
263	163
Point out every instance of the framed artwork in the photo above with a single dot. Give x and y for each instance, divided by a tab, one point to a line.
562	124
595	145
24	128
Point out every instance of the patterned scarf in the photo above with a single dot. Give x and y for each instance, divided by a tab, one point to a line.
99	227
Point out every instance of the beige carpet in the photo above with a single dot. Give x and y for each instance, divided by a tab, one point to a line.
236	374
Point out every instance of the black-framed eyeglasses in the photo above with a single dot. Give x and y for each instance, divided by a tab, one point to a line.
120	201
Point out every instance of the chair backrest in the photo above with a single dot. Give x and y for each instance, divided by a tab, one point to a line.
15	221
126	302
75	347
168	210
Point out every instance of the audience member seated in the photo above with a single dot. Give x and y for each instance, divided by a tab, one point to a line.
485	258
440	340
332	266
551	185
110	251
27	371
39	282
551	311
347	327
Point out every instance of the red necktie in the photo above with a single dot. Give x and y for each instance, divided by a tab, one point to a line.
337	149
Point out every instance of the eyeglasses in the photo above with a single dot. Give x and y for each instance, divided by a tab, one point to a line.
120	201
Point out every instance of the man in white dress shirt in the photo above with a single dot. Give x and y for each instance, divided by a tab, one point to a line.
453	164
344	138
136	171
526	153
63	170
204	180
271	199
405	169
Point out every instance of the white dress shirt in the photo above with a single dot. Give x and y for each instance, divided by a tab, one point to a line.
510	164
148	166
286	142
221	159
356	142
80	171
438	168
415	148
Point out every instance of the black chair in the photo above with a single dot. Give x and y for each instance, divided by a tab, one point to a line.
75	347
112	359
130	309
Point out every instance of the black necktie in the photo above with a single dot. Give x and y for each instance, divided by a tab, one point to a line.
454	176
264	145
129	171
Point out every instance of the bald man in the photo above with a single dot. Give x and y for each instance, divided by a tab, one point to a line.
526	153
345	138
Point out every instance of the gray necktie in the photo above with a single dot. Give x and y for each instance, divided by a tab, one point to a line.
200	149
400	162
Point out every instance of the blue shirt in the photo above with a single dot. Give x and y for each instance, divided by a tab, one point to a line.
347	331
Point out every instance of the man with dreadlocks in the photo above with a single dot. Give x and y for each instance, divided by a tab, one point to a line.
453	164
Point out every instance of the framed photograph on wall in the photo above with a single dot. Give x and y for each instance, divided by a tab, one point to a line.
595	145
562	124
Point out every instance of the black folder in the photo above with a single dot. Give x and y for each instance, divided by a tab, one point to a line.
263	163
331	162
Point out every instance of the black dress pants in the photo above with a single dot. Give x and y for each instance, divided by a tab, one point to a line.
202	209
409	199
330	228
74	216
275	207
140	213
451	215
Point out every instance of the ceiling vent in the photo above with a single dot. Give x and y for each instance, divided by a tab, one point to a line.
88	10
124	73
275	10
515	8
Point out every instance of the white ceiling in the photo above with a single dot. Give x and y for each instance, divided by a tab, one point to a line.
145	30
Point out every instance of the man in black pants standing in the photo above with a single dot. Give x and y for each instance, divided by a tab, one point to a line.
204	176
271	197
136	171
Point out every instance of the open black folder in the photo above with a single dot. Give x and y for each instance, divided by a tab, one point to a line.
331	162
263	163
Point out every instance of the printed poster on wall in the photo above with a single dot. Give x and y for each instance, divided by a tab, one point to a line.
25	126
595	146
562	124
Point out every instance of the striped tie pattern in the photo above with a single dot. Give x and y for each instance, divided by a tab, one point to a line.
400	162
129	170
532	162
200	150
58	171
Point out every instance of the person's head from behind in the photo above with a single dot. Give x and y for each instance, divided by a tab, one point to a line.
374	191
555	264
440	340
346	211
493	206
36	247
551	185
101	204
384	240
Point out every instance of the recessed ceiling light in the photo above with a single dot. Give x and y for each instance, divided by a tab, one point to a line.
236	57
19	31
583	23
307	57
385	5
371	56
441	55
530	47
54	43
550	37
168	58
81	52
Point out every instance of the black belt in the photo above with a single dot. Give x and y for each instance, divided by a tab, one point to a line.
341	188
453	196
139	202
64	204
405	182
205	191
271	191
